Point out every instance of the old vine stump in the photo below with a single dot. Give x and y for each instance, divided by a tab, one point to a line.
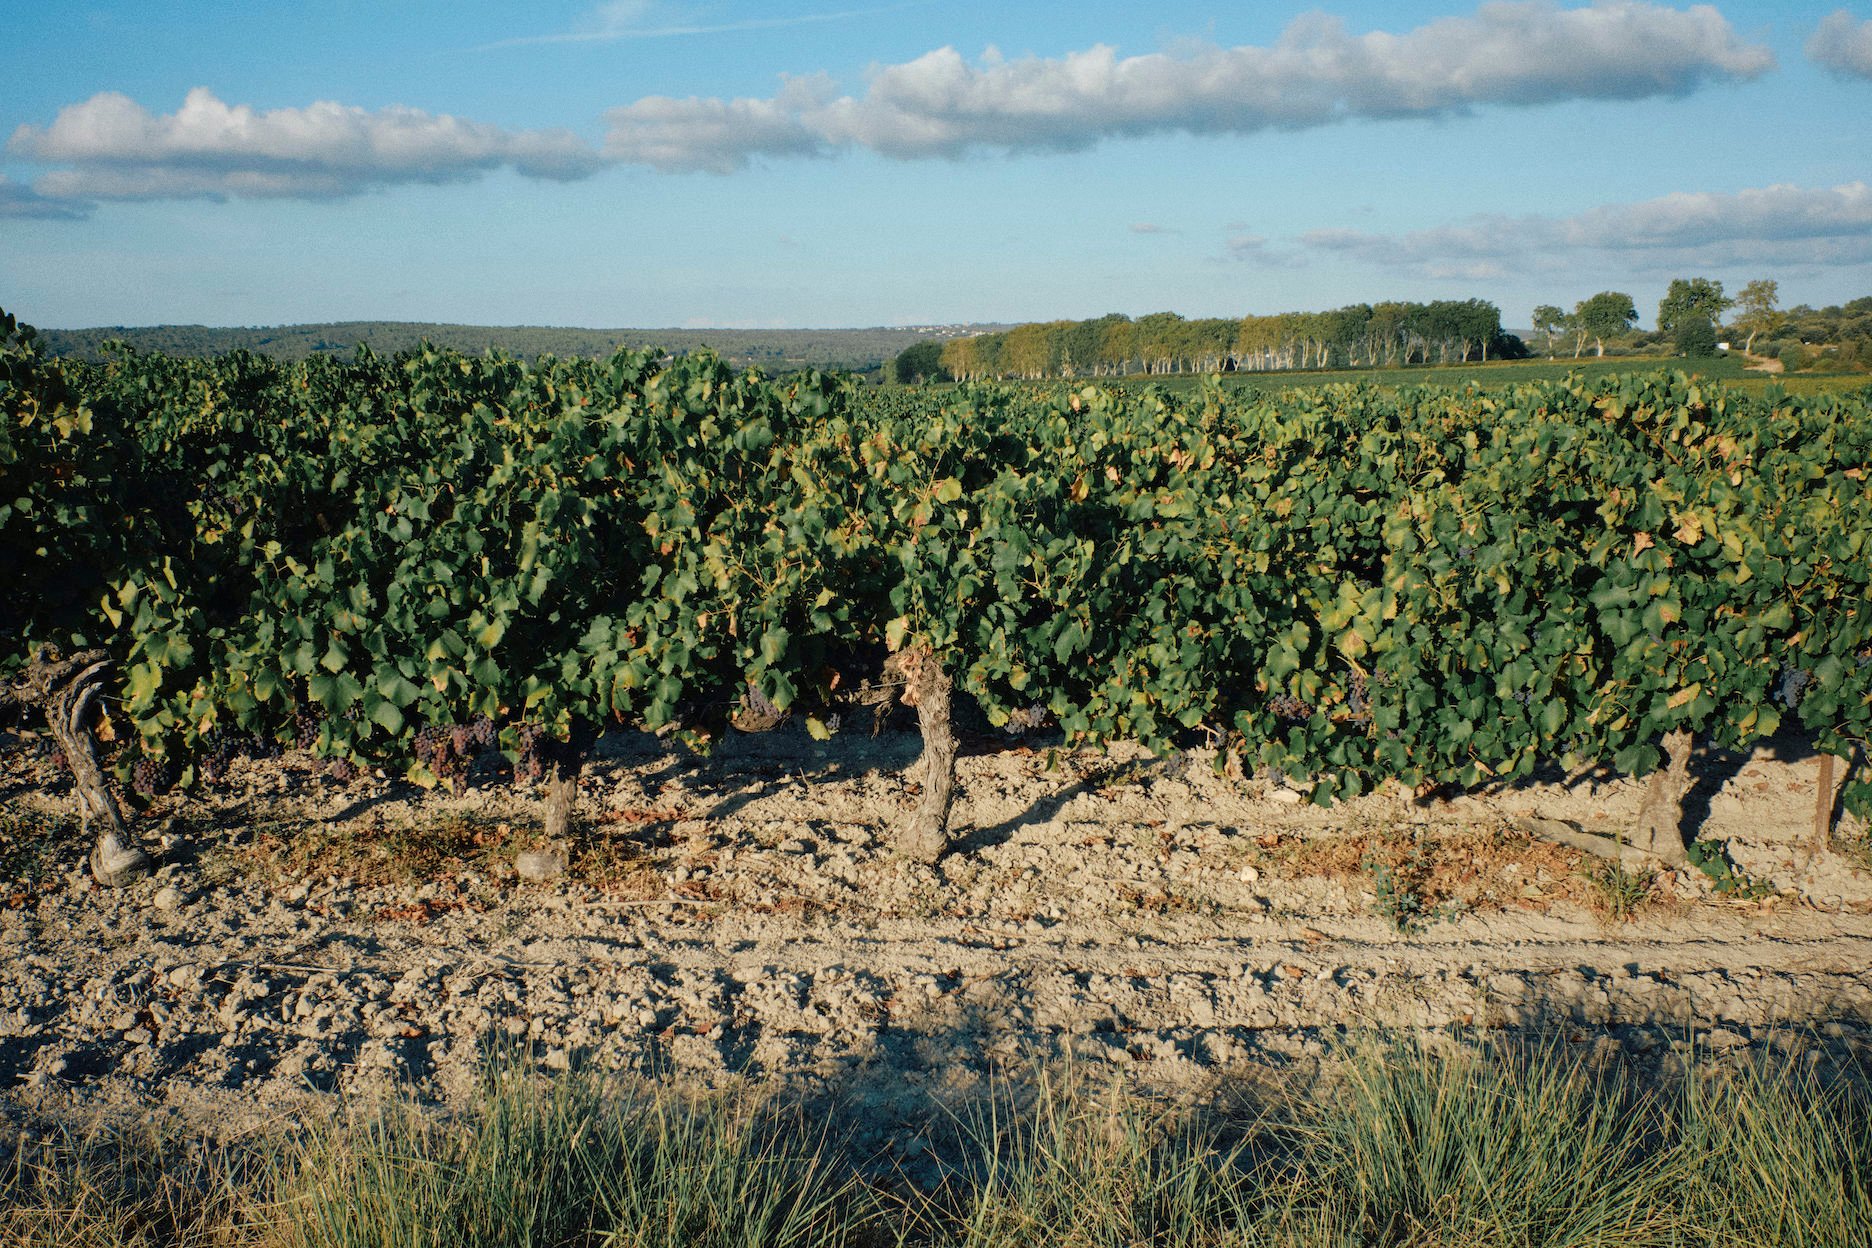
67	691
925	837
1660	820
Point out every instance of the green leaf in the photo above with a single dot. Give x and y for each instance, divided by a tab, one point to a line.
773	644
386	716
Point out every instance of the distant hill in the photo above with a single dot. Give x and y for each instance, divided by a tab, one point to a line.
773	350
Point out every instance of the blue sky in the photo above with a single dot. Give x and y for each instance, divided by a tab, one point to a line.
837	162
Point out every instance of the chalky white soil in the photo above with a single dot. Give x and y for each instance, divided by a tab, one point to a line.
742	917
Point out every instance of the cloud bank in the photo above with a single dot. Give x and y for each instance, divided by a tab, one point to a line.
1772	225
1509	53
119	150
1842	44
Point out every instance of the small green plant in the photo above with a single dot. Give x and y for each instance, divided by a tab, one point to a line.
1624	892
1713	860
1397	892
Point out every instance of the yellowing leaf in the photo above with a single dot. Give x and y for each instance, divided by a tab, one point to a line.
1687	694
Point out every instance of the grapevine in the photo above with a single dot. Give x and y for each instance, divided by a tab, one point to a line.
407	563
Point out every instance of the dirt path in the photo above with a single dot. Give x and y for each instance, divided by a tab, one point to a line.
742	917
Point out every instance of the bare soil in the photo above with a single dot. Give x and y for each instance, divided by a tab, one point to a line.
741	917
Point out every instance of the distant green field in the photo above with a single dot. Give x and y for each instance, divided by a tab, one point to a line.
1727	369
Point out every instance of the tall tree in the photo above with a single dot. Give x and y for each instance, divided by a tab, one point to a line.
1550	323
1755	310
919	362
1606	315
1689	297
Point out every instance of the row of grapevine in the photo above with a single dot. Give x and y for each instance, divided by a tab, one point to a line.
401	561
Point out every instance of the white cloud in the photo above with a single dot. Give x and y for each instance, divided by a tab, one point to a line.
1509	53
19	200
712	135
1782	224
1151	227
116	149
1842	44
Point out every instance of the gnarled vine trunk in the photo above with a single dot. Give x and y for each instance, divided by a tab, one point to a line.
67	690
926	687
1660	820
562	778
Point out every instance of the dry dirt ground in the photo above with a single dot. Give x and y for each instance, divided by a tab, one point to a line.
741	917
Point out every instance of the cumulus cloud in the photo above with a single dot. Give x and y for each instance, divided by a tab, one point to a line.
1511	53
712	135
1773	224
116	149
1843	44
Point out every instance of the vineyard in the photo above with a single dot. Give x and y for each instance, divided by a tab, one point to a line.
405	563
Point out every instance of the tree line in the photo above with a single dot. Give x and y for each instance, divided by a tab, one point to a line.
1360	335
1691	318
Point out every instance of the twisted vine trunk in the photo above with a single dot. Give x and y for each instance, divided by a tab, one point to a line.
926	687
67	690
562	779
1660	819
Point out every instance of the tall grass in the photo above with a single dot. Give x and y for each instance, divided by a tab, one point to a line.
1456	1144
139	1188
1063	1163
1467	1145
540	1164
1772	1156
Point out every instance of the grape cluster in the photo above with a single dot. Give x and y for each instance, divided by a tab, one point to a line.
218	752
1794	682
535	748
151	776
218	749
220	500
449	749
1289	709
307	721
343	770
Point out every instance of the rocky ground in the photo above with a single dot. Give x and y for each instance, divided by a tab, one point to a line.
738	917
